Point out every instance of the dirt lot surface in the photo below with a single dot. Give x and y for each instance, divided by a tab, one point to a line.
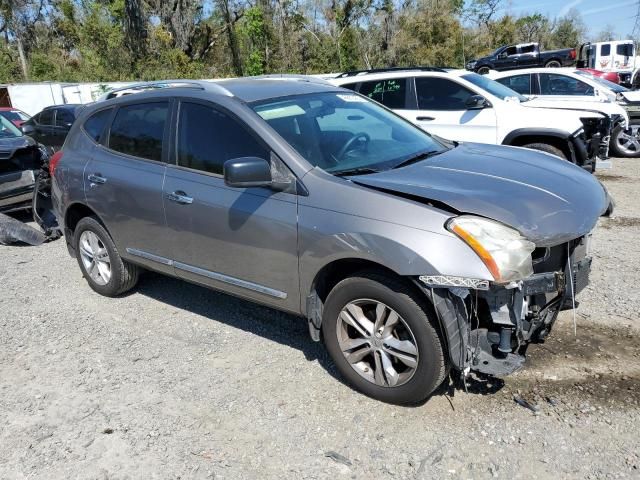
175	381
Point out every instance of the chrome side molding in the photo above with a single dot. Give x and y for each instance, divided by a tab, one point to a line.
220	277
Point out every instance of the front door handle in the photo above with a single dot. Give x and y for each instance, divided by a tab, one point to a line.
97	179
180	197
425	119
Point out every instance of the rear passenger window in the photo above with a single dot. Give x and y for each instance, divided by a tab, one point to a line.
94	125
138	130
519	83
207	138
390	93
441	94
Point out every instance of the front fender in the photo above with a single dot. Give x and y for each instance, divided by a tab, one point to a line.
327	236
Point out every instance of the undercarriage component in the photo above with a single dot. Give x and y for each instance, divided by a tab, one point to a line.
488	360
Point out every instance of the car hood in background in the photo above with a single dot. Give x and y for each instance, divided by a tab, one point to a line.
631	96
608	108
9	145
548	200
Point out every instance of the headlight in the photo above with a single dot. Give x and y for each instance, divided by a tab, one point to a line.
505	252
471	65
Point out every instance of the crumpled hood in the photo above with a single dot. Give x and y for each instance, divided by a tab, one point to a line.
10	144
589	107
550	201
632	96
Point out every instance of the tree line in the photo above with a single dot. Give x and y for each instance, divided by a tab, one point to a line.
111	40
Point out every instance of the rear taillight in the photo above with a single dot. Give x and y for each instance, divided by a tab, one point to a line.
53	161
572	54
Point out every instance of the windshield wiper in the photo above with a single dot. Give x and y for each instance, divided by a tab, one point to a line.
354	171
418	157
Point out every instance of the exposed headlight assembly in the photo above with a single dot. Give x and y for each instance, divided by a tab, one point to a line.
505	252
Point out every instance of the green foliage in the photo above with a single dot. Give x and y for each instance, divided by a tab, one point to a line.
109	40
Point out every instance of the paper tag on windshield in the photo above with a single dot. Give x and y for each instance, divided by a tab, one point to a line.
351	98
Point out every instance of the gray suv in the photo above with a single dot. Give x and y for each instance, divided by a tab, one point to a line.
411	257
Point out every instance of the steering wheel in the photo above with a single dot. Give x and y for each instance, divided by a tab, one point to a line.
347	146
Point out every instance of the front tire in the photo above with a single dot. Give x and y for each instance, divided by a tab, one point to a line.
101	265
625	142
545	147
382	338
483	70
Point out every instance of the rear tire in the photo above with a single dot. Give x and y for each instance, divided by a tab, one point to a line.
545	147
626	142
101	265
405	325
553	64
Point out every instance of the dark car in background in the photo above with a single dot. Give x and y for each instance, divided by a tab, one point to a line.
20	161
51	126
17	117
524	55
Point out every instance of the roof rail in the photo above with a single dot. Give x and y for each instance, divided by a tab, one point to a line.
295	76
354	73
144	86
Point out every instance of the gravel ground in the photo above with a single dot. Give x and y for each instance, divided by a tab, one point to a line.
175	381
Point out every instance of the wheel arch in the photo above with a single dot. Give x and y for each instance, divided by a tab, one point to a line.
556	138
72	215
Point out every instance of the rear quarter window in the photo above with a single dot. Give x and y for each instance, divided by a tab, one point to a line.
95	124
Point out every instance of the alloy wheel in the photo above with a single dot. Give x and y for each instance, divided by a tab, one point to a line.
95	257
628	141
377	342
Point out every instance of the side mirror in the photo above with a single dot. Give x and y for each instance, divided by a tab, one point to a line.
247	172
27	129
502	56
476	102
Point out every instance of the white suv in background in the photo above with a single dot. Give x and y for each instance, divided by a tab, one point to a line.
577	87
463	106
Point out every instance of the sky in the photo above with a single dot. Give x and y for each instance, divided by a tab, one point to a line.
597	14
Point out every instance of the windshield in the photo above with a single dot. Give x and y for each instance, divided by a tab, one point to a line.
494	88
8	129
605	83
15	115
343	132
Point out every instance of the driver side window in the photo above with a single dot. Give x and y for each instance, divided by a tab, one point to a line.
441	94
208	137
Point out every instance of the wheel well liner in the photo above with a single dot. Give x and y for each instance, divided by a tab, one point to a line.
77	212
524	136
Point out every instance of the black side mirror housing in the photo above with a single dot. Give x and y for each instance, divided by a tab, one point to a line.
502	56
27	129
476	102
247	172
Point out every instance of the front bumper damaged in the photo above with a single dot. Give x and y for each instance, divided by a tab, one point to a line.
489	330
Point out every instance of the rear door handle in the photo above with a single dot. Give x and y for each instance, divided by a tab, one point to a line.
97	179
425	119
180	197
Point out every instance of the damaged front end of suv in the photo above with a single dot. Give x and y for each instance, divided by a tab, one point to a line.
529	219
593	139
489	325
